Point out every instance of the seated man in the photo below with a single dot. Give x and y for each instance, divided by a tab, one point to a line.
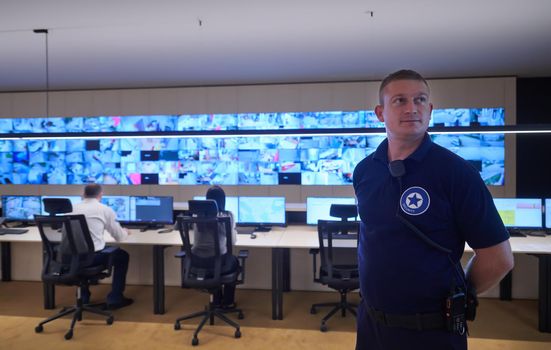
101	218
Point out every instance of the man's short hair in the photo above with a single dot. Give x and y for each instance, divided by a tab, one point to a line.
92	190
403	74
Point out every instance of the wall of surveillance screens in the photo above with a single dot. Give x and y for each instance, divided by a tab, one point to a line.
231	160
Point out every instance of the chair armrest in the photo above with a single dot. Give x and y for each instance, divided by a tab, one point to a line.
243	254
180	254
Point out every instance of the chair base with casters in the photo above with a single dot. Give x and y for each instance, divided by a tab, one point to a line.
211	311
343	305
77	311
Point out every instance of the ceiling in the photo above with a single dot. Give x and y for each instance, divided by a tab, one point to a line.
134	43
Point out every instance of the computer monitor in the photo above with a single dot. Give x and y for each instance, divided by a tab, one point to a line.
520	212
151	210
231	205
21	208
317	208
74	200
548	212
261	212
121	206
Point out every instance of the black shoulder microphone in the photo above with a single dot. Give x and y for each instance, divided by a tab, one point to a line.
397	168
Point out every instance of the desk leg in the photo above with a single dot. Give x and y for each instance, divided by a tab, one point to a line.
544	292
6	261
506	287
277	283
159	279
286	278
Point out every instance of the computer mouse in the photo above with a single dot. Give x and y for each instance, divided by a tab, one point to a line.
253	235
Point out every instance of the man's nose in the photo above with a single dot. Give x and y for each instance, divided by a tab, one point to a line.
410	107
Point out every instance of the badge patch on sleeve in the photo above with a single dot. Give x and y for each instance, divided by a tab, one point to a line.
415	201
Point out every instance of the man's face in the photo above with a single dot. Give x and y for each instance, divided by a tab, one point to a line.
406	110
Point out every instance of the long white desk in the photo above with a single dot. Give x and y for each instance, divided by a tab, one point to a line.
281	240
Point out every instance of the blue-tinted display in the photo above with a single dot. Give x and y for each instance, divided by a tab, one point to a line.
121	206
548	212
150	209
21	208
317	208
520	212
262	210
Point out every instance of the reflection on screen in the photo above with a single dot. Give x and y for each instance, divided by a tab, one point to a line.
548	212
149	209
120	204
22	208
231	205
262	210
317	208
74	200
520	212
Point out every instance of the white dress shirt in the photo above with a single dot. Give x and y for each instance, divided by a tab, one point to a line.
100	218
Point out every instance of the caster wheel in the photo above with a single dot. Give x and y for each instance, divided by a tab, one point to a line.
237	334
109	320
69	335
323	328
38	329
313	311
240	316
177	326
195	341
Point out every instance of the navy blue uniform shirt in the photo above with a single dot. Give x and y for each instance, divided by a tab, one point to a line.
443	196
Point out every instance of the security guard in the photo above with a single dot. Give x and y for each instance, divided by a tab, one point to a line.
419	203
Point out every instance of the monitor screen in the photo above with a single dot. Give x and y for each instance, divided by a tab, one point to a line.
150	209
21	208
231	205
317	208
520	212
548	212
74	200
262	211
120	204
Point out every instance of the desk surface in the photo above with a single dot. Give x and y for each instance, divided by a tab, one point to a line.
296	236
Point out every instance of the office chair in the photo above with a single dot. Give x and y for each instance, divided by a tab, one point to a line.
206	272
68	258
338	264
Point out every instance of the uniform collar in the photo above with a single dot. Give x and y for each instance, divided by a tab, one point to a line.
382	151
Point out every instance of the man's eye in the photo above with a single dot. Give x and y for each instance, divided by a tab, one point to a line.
399	100
421	99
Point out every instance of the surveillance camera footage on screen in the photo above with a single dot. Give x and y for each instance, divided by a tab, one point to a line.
231	160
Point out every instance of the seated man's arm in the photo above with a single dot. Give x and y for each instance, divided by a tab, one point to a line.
489	265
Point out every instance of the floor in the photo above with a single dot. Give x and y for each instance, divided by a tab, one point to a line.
500	324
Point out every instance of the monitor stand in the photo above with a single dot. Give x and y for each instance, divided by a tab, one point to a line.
144	227
262	228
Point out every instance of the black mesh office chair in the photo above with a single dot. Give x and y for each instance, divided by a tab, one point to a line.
206	273
338	241
68	258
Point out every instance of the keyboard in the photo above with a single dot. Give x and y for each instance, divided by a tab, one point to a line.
244	230
12	231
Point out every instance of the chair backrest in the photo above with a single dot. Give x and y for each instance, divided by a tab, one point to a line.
338	251
55	206
205	270
67	250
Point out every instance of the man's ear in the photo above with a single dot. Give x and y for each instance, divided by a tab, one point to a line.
379	113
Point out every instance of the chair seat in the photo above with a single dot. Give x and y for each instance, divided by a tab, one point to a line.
338	281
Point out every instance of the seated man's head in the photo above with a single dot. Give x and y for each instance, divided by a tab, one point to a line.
93	191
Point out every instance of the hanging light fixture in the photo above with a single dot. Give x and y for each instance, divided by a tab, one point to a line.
47	68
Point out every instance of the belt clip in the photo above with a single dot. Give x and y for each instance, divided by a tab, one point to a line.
419	322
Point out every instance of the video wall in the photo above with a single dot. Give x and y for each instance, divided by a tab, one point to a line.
228	160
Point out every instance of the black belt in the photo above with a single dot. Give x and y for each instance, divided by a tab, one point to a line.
416	321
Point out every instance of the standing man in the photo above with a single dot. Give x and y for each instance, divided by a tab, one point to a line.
101	218
419	203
